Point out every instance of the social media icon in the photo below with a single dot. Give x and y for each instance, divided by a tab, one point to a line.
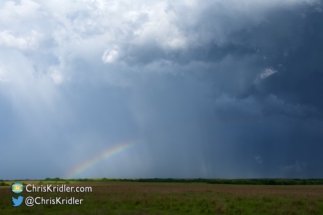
17	188
17	201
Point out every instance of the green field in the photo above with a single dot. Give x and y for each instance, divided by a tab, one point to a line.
123	198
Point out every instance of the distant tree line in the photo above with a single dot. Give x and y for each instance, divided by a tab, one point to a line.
263	181
227	181
2	183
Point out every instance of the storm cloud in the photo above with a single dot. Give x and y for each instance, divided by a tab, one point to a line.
208	89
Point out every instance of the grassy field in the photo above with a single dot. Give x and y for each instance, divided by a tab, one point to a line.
123	198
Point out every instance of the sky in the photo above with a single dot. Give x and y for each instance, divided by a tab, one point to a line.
161	89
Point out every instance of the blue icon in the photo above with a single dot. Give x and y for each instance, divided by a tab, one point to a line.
17	202
17	188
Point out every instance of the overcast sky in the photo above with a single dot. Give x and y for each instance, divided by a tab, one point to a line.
209	89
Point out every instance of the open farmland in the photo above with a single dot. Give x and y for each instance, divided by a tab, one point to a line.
123	198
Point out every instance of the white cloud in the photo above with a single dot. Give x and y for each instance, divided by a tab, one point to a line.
265	74
13	12
56	76
110	56
160	28
27	42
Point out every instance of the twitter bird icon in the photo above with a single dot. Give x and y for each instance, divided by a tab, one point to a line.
17	201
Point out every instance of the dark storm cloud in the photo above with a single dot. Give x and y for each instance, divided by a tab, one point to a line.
287	39
276	117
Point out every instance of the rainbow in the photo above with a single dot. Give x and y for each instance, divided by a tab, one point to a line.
102	156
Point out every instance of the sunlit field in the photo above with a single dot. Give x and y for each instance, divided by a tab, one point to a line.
123	198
